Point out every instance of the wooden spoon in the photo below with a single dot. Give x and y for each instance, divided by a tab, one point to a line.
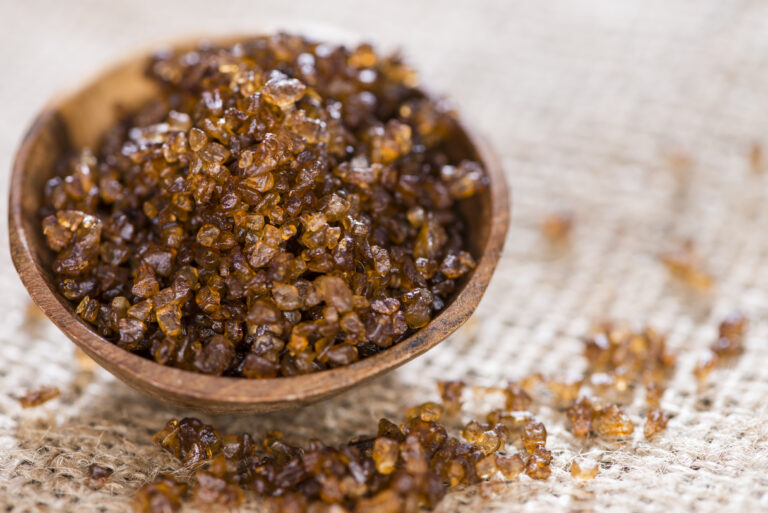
78	120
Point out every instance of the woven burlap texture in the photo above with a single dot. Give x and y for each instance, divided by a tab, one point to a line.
593	105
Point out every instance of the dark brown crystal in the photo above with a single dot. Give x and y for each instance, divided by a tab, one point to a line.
98	475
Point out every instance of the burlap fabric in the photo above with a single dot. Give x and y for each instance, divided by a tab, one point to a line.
587	102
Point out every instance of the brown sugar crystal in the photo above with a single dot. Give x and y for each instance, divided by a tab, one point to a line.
97	476
619	354
683	262
730	335
212	487
655	421
653	393
510	466
163	495
538	464
516	398
509	423
428	412
557	226
580	413
612	420
281	207
733	326
565	389
487	466
531	381
38	396
705	365
729	343
385	455
189	440
450	393
583	469
534	435
485	439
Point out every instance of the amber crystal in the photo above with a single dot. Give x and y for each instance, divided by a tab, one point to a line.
538	464
516	398
534	436
621	354
730	335
655	421
386	501
580	414
213	489
451	394
557	226
487	466
653	393
612	420
734	326
482	437
473	431
189	440
163	495
97	475
529	382
729	343
38	396
683	262
510	423
565	389
427	412
582	468
705	365
385	451
510	466
620	357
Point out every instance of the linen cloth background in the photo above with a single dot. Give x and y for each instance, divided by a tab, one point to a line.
593	105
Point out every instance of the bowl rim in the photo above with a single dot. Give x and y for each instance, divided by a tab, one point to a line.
236	394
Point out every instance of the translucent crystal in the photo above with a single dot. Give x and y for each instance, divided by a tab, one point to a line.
534	436
283	91
385	453
451	394
612	420
584	469
427	412
97	476
38	396
510	466
580	413
655	421
486	467
538	464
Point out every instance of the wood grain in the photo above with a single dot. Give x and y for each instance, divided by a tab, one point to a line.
78	120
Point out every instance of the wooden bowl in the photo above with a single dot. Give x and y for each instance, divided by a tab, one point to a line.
78	120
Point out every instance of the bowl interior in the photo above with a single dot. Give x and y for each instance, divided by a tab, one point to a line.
79	120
